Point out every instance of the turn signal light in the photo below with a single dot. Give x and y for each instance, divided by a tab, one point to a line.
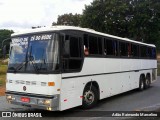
51	84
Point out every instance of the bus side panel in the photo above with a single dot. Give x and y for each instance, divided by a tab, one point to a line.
113	76
148	64
72	86
71	93
113	84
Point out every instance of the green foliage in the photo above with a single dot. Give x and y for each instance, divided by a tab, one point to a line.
3	70
68	19
134	19
5	34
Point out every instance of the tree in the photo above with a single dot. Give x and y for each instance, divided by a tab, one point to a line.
68	19
105	16
134	19
4	35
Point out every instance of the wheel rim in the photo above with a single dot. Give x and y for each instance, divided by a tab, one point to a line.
147	82
142	85
89	97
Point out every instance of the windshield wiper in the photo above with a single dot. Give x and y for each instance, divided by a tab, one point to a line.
19	67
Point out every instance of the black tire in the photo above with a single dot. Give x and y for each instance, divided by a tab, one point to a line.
90	97
147	82
141	84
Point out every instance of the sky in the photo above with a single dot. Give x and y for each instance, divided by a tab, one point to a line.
23	14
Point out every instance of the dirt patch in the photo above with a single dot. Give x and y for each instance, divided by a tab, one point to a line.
2	90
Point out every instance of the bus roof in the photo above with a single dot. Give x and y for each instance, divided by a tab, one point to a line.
55	28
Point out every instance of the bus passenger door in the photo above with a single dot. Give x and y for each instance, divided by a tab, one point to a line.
72	59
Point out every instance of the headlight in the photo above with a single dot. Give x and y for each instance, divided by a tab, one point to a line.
9	97
47	102
41	102
44	102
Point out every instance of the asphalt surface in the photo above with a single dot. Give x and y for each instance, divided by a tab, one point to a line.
147	100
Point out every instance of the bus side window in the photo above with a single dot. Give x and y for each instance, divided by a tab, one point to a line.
75	47
123	49
92	45
86	50
129	50
66	47
148	52
72	55
135	50
86	45
115	48
153	54
100	45
143	51
110	47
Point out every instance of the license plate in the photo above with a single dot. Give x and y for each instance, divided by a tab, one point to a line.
25	99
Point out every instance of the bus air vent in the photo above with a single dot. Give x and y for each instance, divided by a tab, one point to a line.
33	83
10	81
22	82
43	83
28	83
17	81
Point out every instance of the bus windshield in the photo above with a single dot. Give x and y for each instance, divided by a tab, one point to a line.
35	53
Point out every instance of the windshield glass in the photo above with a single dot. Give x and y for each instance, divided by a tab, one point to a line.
34	53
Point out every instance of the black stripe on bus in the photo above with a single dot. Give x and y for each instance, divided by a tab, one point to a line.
105	73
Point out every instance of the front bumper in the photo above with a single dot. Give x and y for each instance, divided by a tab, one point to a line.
44	102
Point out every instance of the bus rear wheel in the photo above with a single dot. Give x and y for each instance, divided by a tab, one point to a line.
90	97
147	82
141	84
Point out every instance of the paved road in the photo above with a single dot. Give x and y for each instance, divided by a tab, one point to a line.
147	100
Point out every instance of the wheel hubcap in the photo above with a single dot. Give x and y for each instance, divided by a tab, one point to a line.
147	82
142	85
89	97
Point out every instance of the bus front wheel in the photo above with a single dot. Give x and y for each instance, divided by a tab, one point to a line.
90	97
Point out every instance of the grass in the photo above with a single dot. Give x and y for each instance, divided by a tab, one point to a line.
3	70
2	80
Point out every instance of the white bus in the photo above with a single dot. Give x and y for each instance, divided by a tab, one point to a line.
63	67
